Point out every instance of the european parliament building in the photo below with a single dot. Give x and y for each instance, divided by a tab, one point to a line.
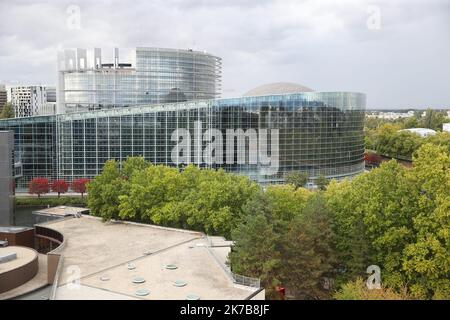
114	111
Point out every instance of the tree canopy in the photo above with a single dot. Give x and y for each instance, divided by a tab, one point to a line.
311	242
204	200
7	111
398	219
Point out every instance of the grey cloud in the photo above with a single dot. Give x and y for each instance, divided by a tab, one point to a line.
322	44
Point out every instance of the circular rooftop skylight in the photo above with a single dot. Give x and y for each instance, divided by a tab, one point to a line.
171	266
192	297
180	283
138	280
142	292
104	278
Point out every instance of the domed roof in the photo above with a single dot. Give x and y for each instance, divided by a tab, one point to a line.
277	88
423	132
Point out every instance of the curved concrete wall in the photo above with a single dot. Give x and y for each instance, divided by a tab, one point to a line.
14	278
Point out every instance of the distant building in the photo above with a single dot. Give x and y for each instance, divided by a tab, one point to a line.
88	82
423	132
31	101
114	111
446	127
390	115
6	177
3	97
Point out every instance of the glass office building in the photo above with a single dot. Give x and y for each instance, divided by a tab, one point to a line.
319	133
34	147
87	82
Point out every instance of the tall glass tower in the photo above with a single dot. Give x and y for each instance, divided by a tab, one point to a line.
86	82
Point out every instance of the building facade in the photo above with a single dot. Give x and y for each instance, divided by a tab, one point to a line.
319	133
34	146
29	101
6	178
86	82
3	97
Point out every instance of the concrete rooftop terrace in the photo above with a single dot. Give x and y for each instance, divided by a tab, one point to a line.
62	211
104	250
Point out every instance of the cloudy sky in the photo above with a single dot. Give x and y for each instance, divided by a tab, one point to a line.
395	51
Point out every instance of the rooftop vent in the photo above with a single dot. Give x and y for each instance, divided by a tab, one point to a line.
171	267
142	292
180	283
104	278
138	280
8	257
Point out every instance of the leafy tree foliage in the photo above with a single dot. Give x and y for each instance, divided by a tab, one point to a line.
60	186
256	252
426	259
7	112
39	186
104	191
297	179
80	185
322	182
308	255
432	120
393	217
398	219
285	239
204	200
357	290
387	139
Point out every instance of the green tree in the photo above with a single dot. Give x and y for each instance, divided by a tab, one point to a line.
7	112
104	191
426	259
133	164
149	193
322	182
297	179
286	202
411	122
433	120
440	139
256	252
357	290
398	219
308	256
203	200
285	239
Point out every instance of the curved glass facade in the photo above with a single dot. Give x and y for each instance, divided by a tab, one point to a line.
160	76
319	133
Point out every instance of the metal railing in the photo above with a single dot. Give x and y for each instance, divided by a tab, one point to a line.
236	278
55	283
